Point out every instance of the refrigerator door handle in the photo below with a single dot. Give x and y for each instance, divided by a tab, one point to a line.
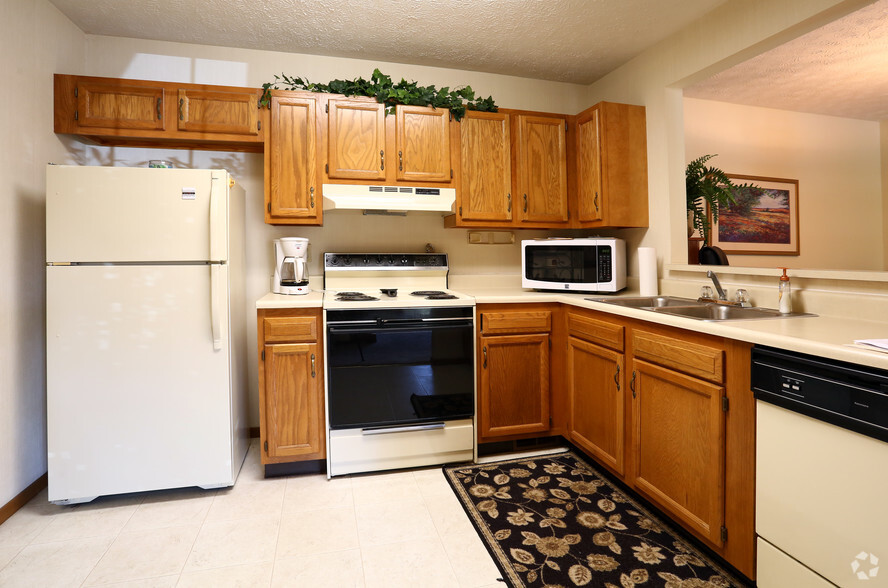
215	306
218	219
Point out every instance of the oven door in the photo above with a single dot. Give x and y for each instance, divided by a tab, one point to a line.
399	367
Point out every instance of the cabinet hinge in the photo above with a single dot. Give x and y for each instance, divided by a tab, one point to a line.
565	126
258	125
76	117
568	215
76	92
724	533
326	168
327	108
266	451
451	174
269	208
263	355
725	403
460	211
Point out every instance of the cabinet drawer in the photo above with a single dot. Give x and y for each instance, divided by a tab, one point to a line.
291	329
693	359
527	321
603	333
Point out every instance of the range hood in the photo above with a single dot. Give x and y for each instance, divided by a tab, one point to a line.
388	198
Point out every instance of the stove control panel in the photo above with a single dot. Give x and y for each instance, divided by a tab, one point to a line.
334	261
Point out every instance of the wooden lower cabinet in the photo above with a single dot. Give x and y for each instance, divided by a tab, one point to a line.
291	403
671	413
678	428
597	404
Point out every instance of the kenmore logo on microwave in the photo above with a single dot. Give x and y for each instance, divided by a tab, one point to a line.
592	264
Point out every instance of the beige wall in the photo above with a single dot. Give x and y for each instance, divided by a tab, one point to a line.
35	40
883	127
836	161
728	35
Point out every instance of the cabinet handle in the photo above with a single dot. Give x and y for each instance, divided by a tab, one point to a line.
484	351
159	108
381	159
181	104
617	378
400	161
509	200
632	384
312	365
596	202
525	203
311	196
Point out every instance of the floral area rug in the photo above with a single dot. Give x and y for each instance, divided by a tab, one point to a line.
554	521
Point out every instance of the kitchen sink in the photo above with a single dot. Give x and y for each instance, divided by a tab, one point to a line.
721	312
650	302
697	309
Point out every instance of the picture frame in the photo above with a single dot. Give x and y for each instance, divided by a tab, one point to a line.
764	221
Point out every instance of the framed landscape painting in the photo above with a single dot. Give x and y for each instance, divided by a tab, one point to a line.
764	220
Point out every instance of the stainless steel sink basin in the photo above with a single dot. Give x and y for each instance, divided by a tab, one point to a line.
719	312
650	301
696	309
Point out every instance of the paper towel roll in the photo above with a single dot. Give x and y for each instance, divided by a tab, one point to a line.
647	271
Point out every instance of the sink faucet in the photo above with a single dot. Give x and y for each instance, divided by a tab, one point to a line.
721	293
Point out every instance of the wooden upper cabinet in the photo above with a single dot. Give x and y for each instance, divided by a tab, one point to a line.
423	144
116	104
541	159
140	113
291	186
207	111
589	205
611	148
486	168
356	140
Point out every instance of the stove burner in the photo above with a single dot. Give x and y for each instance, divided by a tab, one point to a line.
354	297
390	292
433	295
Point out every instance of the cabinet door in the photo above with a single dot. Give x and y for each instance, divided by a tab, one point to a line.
205	111
595	385
486	168
356	140
291	159
678	434
589	190
542	169
119	106
294	416
514	389
423	144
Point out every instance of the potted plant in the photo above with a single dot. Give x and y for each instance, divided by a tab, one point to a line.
708	189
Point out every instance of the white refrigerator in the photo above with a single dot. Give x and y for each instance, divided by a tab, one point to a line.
145	330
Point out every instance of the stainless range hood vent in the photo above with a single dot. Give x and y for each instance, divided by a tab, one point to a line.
388	198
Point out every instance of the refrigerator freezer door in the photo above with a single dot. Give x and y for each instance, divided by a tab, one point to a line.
123	214
131	354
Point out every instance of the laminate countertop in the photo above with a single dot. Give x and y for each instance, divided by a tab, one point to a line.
822	336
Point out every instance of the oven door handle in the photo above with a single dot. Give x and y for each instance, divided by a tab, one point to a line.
401	326
408	428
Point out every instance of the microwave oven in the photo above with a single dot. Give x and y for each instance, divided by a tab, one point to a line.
594	264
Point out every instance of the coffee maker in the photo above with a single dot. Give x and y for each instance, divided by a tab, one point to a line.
290	268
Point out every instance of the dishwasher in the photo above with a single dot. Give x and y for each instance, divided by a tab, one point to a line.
821	471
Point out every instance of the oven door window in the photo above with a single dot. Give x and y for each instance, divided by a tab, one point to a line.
573	264
384	376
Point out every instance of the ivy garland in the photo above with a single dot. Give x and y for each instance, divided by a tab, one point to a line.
380	87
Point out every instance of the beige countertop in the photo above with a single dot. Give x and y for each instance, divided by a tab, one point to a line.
822	336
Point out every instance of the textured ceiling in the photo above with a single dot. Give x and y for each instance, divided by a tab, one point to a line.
840	69
575	41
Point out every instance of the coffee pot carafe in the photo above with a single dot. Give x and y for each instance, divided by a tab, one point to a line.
290	267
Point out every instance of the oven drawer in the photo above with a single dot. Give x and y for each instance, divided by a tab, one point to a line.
353	450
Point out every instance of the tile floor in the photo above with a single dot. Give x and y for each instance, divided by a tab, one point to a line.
391	529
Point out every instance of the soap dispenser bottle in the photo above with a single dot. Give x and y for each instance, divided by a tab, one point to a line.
784	294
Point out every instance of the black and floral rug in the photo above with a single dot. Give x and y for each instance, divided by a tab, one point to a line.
555	521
